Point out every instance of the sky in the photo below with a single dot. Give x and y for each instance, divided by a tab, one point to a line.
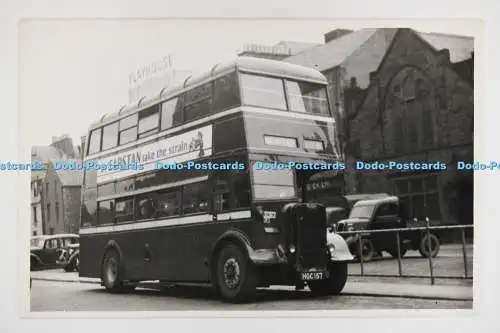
72	72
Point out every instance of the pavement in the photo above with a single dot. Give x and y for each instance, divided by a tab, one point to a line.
356	286
74	297
448	264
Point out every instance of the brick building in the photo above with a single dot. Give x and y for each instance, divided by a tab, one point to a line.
399	94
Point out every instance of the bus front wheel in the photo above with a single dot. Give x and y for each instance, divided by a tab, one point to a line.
235	275
335	283
112	273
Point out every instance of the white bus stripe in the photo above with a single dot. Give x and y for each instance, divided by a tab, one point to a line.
154	188
234	215
196	219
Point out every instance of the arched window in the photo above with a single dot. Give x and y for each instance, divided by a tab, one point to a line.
409	124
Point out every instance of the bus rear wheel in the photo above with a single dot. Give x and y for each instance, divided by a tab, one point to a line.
111	274
236	279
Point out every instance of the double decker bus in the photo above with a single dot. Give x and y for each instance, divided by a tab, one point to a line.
215	185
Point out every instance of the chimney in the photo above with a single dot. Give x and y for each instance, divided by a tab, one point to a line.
65	144
337	33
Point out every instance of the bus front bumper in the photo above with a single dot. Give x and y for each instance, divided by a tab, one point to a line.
267	256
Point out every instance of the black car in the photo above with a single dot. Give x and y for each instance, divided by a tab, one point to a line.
46	250
386	213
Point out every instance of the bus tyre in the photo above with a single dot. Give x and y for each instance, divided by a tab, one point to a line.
334	284
111	273
235	276
424	246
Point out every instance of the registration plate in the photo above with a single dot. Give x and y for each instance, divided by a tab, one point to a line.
312	276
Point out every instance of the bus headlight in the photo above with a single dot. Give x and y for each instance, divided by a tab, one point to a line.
331	248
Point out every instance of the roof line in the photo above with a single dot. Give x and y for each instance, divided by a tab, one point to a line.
445	35
333	40
360	48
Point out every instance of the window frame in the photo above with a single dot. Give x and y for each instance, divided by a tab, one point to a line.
425	193
253	184
134	125
216	93
209	97
99	129
112	212
243	73
153	110
116	143
163	110
286	81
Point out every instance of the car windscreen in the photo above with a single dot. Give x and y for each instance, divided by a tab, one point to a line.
362	211
36	242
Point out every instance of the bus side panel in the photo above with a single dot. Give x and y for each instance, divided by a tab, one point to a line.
179	253
91	252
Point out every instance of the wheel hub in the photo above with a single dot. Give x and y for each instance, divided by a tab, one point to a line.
111	270
432	248
231	273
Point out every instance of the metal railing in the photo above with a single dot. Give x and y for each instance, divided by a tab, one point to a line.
427	229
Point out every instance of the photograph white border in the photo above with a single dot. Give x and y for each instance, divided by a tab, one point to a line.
484	182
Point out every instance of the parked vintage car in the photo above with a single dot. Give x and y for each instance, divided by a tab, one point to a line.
46	250
339	207
70	258
386	213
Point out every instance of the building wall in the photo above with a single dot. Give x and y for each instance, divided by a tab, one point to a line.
71	212
36	208
63	204
53	203
416	109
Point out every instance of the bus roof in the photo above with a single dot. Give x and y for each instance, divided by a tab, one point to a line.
247	64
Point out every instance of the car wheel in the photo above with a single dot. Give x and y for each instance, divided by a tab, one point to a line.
368	250
424	246
111	274
334	284
235	275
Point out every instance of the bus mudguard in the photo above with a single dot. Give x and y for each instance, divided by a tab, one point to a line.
339	251
113	245
257	256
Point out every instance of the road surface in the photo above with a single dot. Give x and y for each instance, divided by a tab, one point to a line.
70	296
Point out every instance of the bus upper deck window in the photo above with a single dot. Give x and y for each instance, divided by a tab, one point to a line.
263	91
95	141
307	97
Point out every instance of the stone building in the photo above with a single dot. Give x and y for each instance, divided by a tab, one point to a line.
42	207
36	203
62	197
402	95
